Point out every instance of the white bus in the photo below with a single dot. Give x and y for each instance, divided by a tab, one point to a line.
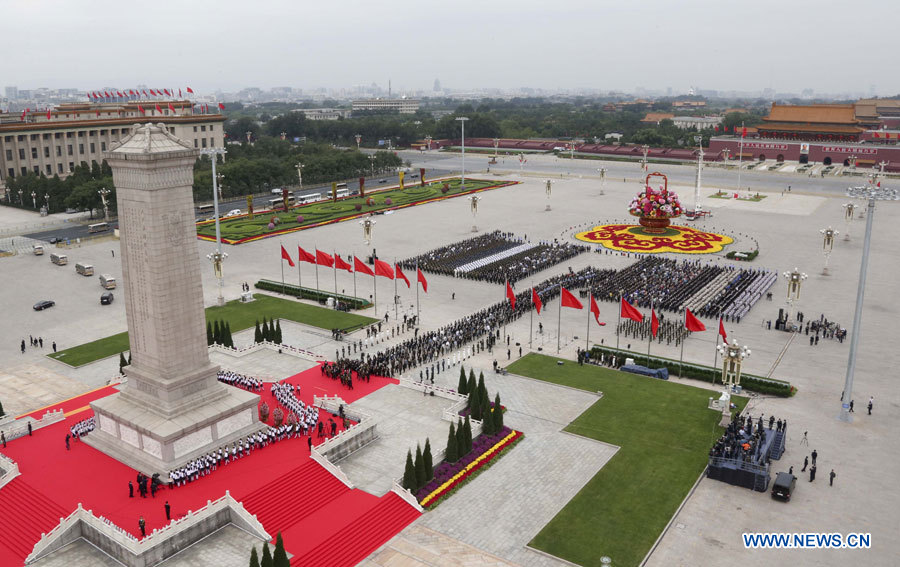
278	202
98	227
84	269
107	282
205	209
307	198
59	259
341	186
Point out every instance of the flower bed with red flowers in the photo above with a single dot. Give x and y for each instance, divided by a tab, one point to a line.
449	477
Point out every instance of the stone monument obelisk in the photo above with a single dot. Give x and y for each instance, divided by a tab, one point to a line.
173	408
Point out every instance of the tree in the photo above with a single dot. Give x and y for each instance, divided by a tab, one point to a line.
452	453
209	333
257	334
468	427
266	557
129	358
409	473
2	414
461	387
419	468
498	414
280	558
229	340
427	459
475	404
470	387
487	425
217	333
254	558
461	439
122	362
278	331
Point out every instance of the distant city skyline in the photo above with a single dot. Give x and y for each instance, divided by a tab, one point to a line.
595	45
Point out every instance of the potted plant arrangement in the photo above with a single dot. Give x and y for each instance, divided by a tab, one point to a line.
655	208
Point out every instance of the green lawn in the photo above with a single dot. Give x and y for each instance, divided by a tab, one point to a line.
244	229
664	431
239	315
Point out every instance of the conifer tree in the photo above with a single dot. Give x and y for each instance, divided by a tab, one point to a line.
498	414
2	414
254	558
483	389
129	358
257	334
280	558
452	454
475	404
209	334
461	439
409	474
265	329
427	459
229	340
266	557
468	427
487	425
470	387
122	362
420	468
217	333
278	331
461	387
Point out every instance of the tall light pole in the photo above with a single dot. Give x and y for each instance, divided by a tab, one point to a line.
474	206
462	121
220	177
358	140
299	168
496	148
602	172
848	217
549	189
428	142
646	150
871	194
34	200
21	203
47	200
733	356
372	158
697	207
828	245
217	257
103	193
794	281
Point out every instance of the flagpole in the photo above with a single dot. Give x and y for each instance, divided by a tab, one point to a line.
375	292
681	358
587	337
299	275
618	321
505	300
716	355
282	272
334	265
317	268
354	279
650	341
531	319
559	320
417	291
395	289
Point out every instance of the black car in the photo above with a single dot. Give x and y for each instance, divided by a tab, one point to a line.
41	305
54	239
106	298
783	487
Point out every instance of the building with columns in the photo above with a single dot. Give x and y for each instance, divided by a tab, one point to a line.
79	133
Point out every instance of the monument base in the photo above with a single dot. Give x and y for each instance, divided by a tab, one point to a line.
150	443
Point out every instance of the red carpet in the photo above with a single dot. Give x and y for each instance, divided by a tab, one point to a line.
73	404
278	483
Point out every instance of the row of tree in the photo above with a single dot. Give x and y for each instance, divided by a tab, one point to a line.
420	471
219	333
269	559
270	331
479	403
80	190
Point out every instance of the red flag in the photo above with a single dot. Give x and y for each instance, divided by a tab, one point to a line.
629	312
536	299
691	323
717	129
158	109
304	256
654	322
48	114
595	309
722	331
179	93
131	92
400	274
743	132
172	108
340	264
324	259
167	92
361	267
120	94
141	108
145	92
286	256
221	106
510	295
152	93
23	114
384	269
877	135
569	300
421	278
190	90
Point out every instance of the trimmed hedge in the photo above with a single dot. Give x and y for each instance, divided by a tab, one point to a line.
313	294
709	374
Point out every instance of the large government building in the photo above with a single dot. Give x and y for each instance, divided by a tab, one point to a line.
54	142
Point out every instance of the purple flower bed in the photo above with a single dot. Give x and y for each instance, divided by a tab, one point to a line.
445	471
467	411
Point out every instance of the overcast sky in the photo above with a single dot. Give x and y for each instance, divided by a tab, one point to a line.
787	45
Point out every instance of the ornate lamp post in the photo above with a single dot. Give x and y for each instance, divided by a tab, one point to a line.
21	203
34	199
549	190
871	194
848	218
828	245
367	225
697	207
496	149
358	140
299	168
602	172
473	200
217	257
428	142
283	136
646	150
733	356
372	158
47	201
794	281
462	122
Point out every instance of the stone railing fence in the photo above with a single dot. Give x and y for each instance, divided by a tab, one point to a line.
267	345
9	470
440	391
19	428
160	544
333	404
405	494
332	468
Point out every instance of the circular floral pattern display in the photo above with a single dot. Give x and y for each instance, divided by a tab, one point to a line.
633	238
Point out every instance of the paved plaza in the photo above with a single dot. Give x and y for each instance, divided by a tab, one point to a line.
500	511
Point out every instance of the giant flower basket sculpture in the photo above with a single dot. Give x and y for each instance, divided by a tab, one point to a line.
655	208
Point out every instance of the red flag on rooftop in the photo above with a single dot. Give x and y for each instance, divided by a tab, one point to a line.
304	256
743	132
286	256
510	296
384	269
691	323
361	267
629	312
340	264
654	322
190	90
48	114
421	278
569	300
172	108
324	259
401	275
221	106
179	93
152	92
141	108
536	300
158	109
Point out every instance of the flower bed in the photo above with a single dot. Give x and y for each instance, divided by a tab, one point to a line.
448	477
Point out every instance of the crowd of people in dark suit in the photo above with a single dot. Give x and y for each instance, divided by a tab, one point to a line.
446	259
525	263
669	331
745	441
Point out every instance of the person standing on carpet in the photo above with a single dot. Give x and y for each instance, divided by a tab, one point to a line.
130	489
143	525
168	512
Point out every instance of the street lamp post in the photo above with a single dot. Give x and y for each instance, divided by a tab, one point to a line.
496	148
602	172
249	135
299	168
794	281
21	203
473	200
103	193
34	199
871	194
462	121
646	150
47	201
549	190
697	207
848	217
828	245
358	140
428	142
733	356
217	257
372	158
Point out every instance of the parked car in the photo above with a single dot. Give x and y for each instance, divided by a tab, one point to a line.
783	487
106	298
232	213
54	239
277	191
382	180
41	305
